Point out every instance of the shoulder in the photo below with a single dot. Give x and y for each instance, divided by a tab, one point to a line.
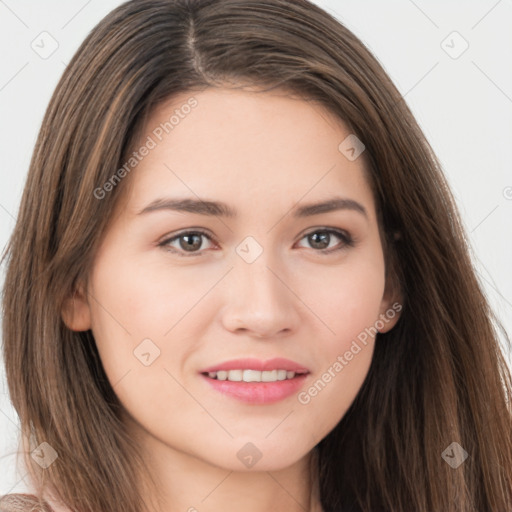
23	503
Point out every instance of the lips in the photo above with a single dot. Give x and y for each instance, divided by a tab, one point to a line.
262	382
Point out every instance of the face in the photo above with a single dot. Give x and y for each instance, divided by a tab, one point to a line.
182	295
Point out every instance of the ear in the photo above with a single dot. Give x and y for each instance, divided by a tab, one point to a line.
390	306
76	312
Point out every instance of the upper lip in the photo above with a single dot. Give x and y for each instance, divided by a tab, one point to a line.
277	363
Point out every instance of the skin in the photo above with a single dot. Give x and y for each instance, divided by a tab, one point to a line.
263	154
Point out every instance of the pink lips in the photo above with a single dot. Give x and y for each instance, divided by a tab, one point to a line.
258	392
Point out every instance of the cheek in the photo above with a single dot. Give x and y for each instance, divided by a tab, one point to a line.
139	300
350	307
142	316
351	301
126	310
344	361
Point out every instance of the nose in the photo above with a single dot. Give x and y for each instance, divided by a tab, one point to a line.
259	301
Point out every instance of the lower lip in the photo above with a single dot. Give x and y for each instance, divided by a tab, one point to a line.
258	392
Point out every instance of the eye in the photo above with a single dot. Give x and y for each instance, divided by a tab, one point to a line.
321	240
188	242
191	242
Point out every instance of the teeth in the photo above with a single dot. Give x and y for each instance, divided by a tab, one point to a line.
269	376
235	375
252	375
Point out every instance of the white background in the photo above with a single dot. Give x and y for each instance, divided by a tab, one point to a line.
464	106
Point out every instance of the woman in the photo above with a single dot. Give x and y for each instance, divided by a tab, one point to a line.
239	279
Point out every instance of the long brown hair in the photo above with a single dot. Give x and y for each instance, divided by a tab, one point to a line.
437	378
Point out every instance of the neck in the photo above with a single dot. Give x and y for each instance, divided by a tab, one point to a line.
181	481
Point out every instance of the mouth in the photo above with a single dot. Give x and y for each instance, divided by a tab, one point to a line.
256	382
249	375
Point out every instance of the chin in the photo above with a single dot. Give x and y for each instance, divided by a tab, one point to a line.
259	455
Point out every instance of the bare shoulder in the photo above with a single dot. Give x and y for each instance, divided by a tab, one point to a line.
23	503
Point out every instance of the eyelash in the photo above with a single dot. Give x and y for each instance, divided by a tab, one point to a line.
347	239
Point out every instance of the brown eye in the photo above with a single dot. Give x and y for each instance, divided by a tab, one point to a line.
321	240
188	242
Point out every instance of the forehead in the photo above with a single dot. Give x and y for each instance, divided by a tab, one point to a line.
243	146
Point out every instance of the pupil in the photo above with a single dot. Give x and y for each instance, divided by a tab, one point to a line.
190	244
324	242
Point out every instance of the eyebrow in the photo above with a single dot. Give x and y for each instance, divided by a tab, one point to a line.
216	208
